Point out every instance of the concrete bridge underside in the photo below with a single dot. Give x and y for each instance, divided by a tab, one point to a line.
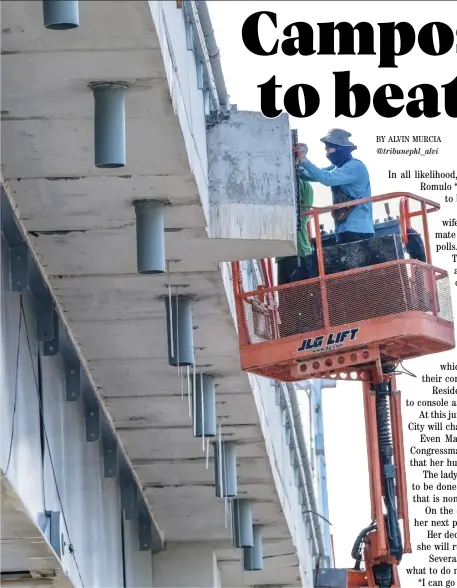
80	221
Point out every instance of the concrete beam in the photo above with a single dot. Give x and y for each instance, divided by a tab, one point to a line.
23	544
251	180
186	564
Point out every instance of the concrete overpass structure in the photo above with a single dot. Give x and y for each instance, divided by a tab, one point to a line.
103	481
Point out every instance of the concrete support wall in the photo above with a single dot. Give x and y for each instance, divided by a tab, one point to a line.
186	565
251	179
50	465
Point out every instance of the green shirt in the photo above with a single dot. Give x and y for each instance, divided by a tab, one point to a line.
306	201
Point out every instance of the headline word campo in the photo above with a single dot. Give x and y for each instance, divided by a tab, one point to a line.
395	40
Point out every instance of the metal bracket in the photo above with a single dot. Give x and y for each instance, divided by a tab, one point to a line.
348	365
45	319
278	395
72	381
110	453
92	418
19	268
200	75
52	347
54	530
292	454
319	444
283	413
149	538
288	433
296	475
17	250
144	532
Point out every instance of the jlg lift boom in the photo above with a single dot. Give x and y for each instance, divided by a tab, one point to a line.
358	325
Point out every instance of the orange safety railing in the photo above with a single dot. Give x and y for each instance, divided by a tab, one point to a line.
426	207
393	287
346	298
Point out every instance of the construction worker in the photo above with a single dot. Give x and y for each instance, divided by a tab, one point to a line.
348	179
298	267
298	306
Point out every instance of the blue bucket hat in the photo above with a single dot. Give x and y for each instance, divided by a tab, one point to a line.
339	138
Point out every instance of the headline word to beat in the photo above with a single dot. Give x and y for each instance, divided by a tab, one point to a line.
260	36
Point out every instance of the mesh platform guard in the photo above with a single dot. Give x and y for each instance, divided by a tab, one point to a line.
274	320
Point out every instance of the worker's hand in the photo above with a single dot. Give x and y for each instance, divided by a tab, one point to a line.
301	150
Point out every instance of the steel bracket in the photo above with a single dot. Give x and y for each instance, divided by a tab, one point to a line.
292	454
297	475
144	532
287	432
92	418
51	347
348	365
45	318
19	268
72	381
283	414
17	251
110	453
149	538
278	394
54	530
319	444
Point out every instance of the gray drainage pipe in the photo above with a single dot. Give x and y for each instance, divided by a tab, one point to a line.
61	15
213	52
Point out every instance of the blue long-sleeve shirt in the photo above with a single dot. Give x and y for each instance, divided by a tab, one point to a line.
354	179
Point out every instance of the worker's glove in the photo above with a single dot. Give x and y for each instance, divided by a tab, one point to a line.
301	151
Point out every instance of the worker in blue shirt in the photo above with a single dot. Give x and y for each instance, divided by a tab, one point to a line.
348	179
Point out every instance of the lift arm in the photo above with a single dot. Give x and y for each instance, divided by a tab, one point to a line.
380	544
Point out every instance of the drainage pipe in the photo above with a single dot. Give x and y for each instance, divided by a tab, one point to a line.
213	52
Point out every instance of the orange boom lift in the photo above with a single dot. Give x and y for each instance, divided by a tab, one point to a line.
356	325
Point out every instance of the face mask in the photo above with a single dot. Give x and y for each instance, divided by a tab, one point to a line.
341	156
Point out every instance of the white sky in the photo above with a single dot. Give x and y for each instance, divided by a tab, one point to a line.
243	71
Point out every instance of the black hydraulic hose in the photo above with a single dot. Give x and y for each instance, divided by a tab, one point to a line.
383	392
356	552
